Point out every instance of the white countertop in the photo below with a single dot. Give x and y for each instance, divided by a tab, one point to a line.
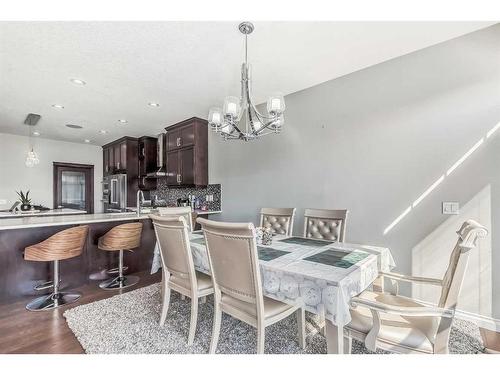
47	221
57	211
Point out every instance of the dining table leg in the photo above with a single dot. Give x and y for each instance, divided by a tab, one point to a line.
334	338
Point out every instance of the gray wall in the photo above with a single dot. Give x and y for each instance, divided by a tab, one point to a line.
373	141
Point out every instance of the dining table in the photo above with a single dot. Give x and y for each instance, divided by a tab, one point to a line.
322	275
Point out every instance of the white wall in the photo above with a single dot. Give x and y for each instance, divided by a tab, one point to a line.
430	258
373	141
15	176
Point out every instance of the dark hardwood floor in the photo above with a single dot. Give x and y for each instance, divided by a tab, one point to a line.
22	331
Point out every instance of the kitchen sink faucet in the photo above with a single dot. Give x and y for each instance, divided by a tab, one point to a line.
140	199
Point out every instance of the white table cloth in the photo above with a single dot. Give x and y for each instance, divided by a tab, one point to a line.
322	288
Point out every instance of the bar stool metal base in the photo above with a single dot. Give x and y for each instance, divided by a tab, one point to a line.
119	283
51	301
116	271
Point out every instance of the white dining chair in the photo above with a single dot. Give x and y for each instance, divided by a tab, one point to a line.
234	263
403	325
279	220
325	224
179	273
178	211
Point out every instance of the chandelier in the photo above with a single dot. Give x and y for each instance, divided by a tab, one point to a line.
241	112
31	159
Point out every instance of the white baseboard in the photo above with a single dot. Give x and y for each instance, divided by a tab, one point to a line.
481	320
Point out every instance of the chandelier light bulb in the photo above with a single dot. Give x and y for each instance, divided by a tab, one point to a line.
232	107
215	118
276	104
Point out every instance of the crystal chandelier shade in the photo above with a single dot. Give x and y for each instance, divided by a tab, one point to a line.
31	159
239	118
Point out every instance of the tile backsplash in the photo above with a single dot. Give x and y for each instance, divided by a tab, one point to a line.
171	194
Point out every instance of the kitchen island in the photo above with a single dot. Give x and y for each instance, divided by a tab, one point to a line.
18	276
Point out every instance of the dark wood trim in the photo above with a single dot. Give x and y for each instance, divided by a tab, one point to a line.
185	122
89	192
72	165
126	138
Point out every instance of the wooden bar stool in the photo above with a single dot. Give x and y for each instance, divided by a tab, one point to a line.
63	245
120	238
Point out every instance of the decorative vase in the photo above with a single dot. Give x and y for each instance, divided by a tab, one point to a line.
25	207
264	236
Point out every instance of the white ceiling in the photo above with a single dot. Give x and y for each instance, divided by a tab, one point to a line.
187	67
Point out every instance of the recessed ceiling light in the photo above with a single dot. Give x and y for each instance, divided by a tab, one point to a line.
103	131
73	126
122	121
77	81
58	106
86	140
153	104
36	133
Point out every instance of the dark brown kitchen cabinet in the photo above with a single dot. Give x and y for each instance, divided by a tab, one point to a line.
108	160
180	164
105	161
120	157
187	167
173	168
122	165
173	139
147	162
187	153
180	137
117	157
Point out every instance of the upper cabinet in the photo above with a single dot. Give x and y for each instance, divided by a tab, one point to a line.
120	156
187	153
180	137
147	162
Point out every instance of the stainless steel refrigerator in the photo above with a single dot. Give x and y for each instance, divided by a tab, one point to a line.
114	191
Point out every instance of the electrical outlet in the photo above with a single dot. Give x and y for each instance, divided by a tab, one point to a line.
451	208
3	202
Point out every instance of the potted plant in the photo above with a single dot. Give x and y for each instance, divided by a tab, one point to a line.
24	200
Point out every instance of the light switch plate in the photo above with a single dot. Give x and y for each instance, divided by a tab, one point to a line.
451	208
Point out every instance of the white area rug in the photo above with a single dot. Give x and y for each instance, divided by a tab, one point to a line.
128	323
